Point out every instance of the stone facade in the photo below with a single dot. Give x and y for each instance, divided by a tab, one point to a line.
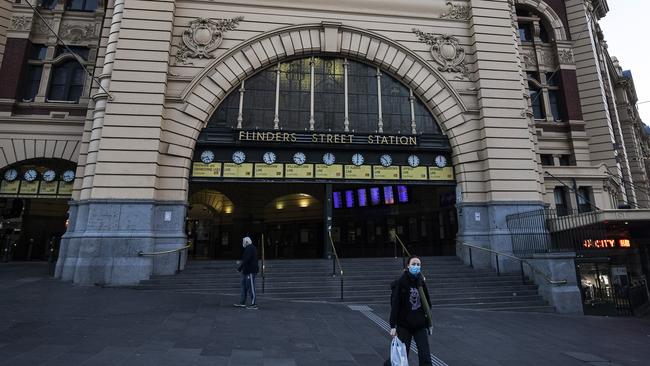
164	67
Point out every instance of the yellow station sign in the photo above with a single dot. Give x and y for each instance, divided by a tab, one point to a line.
232	170
358	172
299	171
263	170
200	169
334	171
385	172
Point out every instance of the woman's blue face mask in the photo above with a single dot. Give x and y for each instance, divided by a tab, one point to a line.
414	269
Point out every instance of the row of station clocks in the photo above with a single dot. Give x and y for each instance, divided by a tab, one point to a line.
30	175
269	157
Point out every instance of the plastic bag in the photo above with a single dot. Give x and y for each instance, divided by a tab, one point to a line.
398	356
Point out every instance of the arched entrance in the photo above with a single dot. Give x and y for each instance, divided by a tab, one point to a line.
34	197
348	140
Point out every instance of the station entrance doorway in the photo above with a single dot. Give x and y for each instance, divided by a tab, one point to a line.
292	219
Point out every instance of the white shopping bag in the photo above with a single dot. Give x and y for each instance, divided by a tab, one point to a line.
398	356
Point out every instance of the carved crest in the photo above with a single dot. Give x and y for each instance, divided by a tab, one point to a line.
459	12
565	56
446	51
204	36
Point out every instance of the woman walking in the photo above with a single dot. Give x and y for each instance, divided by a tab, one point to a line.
410	313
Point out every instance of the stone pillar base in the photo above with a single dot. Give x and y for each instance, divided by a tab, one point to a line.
557	266
104	238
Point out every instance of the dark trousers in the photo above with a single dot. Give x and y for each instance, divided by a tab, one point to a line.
247	287
421	341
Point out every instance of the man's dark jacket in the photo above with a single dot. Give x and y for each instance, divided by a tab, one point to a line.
249	261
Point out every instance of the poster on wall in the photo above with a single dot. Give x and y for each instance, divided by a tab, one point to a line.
232	170
446	173
334	171
9	187
388	172
358	172
29	187
299	171
200	169
417	173
263	170
48	188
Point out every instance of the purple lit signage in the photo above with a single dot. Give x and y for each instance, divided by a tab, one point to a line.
363	198
349	199
338	201
402	194
375	198
388	195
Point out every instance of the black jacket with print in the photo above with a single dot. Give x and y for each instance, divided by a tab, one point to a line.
406	307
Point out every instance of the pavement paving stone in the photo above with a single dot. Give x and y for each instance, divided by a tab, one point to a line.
48	322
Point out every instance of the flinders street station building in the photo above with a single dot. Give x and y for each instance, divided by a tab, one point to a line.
482	129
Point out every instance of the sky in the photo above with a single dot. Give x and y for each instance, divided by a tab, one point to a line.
626	28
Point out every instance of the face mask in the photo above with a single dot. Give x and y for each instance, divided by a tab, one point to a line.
414	270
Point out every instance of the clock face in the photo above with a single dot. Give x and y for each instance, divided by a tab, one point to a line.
207	157
238	157
269	157
68	176
30	175
357	159
329	158
299	158
386	160
413	161
49	175
11	175
441	161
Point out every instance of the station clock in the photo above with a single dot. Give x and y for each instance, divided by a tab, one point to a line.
269	157
238	157
329	158
68	176
11	175
299	158
357	159
30	175
207	157
386	160
49	175
413	161
441	161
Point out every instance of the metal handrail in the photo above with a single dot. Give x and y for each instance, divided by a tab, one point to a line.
404	250
521	262
178	269
336	261
263	266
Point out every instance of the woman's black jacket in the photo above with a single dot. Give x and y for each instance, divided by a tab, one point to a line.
405	310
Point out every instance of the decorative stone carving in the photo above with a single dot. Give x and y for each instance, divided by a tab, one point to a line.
458	12
548	58
41	28
529	58
75	32
446	51
565	56
21	23
204	36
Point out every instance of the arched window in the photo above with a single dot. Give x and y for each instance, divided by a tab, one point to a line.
66	82
541	62
324	94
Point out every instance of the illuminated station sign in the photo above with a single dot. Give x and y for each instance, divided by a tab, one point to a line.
606	243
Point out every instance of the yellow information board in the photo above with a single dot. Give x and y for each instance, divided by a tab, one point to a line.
358	172
417	173
232	170
29	187
9	187
65	189
263	170
299	171
200	169
436	173
334	171
48	188
385	172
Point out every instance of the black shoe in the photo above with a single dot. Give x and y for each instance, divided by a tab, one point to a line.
239	305
252	307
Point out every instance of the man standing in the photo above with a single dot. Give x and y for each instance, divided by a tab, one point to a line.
249	269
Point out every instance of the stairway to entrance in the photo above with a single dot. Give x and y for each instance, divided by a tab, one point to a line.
451	283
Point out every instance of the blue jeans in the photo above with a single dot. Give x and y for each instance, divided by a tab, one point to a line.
247	286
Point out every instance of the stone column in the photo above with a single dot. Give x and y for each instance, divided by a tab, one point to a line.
122	207
505	140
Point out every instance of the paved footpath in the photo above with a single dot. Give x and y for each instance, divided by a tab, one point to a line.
48	322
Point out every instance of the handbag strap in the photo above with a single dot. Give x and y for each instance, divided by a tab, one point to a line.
425	304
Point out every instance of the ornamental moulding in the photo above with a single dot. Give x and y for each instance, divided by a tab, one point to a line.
76	32
446	51
204	36
21	23
457	12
